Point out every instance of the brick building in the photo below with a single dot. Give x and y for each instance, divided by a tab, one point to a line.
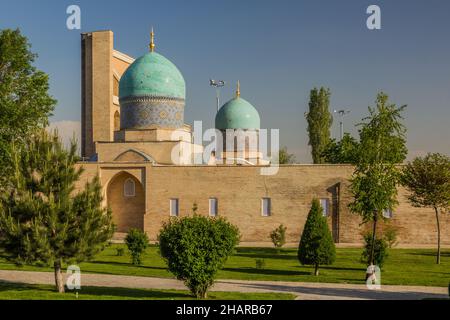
134	137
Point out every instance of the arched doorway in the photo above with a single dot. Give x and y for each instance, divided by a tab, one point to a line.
126	199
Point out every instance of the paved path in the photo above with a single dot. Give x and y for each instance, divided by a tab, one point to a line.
303	291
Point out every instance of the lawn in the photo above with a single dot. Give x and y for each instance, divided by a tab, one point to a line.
13	291
403	266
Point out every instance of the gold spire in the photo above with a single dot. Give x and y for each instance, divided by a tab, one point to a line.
152	41
238	89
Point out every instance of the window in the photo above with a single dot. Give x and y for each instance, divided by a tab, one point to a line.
174	208
266	207
324	205
116	121
388	214
129	188
213	204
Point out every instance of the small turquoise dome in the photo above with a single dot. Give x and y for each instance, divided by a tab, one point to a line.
152	75
237	113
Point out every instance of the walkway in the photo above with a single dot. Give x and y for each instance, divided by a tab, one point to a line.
303	291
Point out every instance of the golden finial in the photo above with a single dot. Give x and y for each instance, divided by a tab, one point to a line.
238	90
152	41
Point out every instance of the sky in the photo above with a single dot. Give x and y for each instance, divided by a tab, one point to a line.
279	50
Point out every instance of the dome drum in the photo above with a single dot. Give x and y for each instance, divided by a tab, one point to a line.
147	112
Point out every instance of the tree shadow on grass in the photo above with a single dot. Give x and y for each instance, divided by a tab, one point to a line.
271	272
98	291
430	254
274	256
126	264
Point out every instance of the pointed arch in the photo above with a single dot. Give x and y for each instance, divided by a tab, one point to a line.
125	196
134	155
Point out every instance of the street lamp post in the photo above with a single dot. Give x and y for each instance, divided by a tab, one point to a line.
217	84
341	114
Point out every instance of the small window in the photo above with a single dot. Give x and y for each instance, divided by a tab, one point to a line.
174	208
266	207
213	207
324	205
129	188
388	214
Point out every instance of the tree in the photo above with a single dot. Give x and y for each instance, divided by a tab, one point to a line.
428	181
42	219
344	151
278	236
316	244
25	104
285	157
136	241
319	122
382	146
380	250
195	248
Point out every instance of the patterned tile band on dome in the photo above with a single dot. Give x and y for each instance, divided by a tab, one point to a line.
150	111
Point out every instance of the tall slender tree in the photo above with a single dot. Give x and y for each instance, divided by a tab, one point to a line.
42	219
319	122
382	146
428	181
25	104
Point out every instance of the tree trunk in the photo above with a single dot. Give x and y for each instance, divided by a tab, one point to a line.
374	236
316	270
58	277
438	258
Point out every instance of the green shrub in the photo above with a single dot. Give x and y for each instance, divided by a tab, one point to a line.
120	252
390	235
316	245
380	250
136	241
260	264
195	248
278	236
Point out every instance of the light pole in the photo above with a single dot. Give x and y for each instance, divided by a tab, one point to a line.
217	84
342	113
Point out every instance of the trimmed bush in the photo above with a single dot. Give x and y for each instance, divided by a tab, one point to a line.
278	236
120	252
316	245
136	241
260	264
195	248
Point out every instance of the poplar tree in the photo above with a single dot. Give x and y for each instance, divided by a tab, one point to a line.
319	123
43	221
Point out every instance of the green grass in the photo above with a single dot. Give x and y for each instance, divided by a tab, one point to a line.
403	266
13	291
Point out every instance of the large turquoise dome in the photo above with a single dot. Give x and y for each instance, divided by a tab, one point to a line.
152	74
152	94
238	113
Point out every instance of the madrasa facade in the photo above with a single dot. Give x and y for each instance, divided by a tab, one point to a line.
135	139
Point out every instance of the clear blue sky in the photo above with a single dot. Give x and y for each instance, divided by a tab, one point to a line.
279	50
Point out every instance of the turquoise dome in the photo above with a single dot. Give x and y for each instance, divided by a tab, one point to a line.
152	75
152	94
237	113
